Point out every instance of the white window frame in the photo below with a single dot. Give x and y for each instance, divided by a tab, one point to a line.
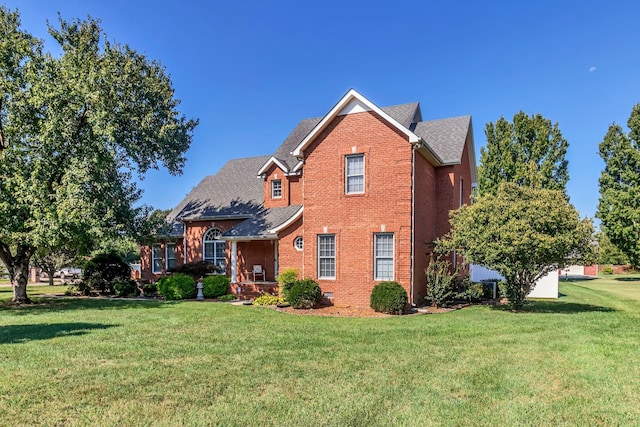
155	257
276	190
212	236
383	257
323	256
348	176
298	243
170	255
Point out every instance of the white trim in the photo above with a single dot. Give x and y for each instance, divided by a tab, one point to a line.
334	257
295	245
298	166
347	176
347	101
273	181
272	160
287	222
376	257
234	261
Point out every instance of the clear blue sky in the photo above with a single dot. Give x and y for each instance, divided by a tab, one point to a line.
251	70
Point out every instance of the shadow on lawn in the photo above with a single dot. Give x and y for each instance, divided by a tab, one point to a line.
627	279
48	305
16	334
557	307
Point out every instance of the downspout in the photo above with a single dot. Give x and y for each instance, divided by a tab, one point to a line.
413	221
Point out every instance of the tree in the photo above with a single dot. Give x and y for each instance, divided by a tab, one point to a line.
73	130
608	253
619	204
521	232
51	260
529	152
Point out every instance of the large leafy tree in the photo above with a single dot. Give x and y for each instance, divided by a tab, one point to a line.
619	205
529	152
73	130
521	232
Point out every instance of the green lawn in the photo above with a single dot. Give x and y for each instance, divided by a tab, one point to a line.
575	361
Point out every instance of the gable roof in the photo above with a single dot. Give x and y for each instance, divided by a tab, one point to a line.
352	102
263	224
233	192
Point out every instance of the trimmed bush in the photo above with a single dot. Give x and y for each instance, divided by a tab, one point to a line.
215	286
389	297
177	286
266	299
103	271
286	279
150	289
607	270
304	293
126	289
196	269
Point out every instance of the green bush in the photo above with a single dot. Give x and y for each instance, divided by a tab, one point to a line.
267	299
228	297
215	286
304	293
389	297
150	289
103	271
126	289
286	279
440	282
177	286
196	269
607	270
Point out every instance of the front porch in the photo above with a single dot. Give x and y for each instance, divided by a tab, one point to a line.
249	289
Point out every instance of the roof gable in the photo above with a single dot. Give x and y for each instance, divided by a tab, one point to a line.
352	102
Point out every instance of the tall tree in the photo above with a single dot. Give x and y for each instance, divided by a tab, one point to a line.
619	205
522	233
528	152
73	131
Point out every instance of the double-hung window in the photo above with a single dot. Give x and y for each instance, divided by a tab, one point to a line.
327	256
383	256
156	259
276	189
354	173
170	250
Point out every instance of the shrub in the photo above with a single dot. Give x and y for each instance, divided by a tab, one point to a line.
607	270
304	293
439	282
267	299
196	269
389	297
103	271
215	286
177	286
150	289
228	297
286	279
126	289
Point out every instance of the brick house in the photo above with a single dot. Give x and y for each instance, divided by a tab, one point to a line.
349	199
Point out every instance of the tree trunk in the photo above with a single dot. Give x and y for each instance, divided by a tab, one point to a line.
18	267
50	276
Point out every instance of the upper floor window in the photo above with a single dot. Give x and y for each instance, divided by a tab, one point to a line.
156	259
214	249
276	189
354	169
170	250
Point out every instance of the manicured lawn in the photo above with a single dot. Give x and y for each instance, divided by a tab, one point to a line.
627	286
575	361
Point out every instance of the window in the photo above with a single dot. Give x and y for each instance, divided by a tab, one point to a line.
383	256
214	249
298	243
276	189
170	250
156	259
327	256
354	174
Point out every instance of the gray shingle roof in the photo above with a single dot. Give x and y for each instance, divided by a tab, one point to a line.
405	114
283	153
259	225
233	191
446	137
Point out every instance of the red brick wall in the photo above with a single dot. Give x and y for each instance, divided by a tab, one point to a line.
273	173
425	220
145	260
353	219
289	256
261	252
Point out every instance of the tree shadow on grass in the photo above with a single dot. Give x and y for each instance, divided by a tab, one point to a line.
48	305
627	279
558	307
16	334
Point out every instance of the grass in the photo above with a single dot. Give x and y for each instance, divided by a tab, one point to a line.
575	361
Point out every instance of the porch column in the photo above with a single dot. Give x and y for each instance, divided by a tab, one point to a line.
234	261
275	259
